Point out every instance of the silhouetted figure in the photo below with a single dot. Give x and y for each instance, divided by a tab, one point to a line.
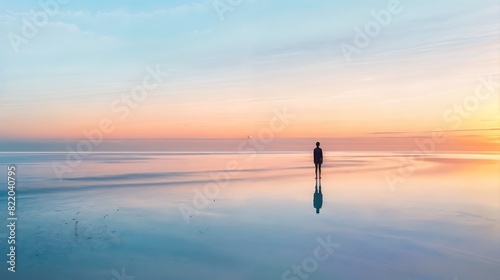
318	197
318	160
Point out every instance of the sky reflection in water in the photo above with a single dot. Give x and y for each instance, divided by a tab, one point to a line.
120	211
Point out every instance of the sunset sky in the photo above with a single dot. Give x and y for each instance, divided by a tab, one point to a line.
227	76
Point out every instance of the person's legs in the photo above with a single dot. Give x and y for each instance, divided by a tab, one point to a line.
316	170
319	167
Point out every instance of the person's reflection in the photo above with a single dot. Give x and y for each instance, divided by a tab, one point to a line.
318	197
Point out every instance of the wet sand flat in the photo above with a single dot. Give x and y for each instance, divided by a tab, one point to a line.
238	216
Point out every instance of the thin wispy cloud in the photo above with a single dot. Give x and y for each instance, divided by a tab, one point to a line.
264	55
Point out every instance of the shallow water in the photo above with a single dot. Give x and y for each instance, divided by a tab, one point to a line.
191	216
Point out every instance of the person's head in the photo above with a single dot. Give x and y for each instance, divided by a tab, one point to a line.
317	210
317	144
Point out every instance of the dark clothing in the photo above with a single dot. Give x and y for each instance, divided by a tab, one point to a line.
318	155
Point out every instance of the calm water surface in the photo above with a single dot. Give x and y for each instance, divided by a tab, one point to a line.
192	216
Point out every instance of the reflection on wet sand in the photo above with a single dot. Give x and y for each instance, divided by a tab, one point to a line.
318	196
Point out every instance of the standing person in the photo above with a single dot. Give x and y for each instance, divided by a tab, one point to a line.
318	159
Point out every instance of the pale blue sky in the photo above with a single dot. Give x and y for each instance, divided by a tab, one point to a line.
262	54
